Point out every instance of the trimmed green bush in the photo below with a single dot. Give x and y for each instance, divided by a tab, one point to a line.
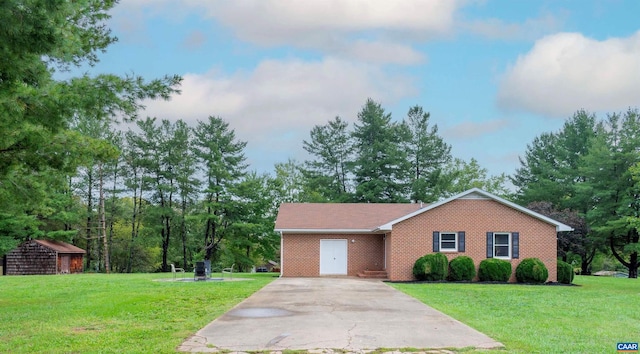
431	267
532	270
493	269
461	268
565	273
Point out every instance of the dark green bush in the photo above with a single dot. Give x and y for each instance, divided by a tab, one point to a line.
565	273
493	269
461	268
531	270
431	267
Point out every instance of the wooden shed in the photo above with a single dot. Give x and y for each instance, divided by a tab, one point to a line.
44	257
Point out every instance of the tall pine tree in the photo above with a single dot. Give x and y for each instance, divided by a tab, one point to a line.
328	174
428	154
222	161
381	166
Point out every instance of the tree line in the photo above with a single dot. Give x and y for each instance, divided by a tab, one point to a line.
166	192
382	160
588	175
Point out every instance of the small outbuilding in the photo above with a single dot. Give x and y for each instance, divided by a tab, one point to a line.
44	257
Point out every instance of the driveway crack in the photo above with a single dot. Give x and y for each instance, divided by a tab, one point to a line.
350	336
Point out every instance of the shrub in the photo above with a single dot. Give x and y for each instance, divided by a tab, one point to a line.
565	273
493	269
431	267
531	270
461	268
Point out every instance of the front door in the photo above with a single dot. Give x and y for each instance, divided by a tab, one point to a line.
64	264
333	257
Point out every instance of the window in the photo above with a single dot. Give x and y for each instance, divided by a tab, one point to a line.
502	245
448	241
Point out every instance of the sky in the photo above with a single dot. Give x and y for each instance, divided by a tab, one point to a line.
492	74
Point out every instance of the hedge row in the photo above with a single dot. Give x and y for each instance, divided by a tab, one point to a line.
435	267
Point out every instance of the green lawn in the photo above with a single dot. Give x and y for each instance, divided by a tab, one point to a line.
131	313
590	318
115	313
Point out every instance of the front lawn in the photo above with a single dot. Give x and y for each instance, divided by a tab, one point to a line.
590	318
115	313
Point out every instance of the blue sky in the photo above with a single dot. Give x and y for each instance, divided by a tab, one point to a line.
493	74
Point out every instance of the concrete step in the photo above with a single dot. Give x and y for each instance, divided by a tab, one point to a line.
373	274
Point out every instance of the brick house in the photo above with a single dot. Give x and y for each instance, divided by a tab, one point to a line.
386	239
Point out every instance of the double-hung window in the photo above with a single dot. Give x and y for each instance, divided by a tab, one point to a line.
505	245
502	245
448	241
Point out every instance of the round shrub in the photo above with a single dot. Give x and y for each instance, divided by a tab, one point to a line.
531	270
493	269
565	273
431	267
461	268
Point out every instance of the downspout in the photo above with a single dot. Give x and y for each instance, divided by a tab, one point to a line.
281	255
384	244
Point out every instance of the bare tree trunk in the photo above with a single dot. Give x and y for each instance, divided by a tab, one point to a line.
103	223
135	218
89	220
183	230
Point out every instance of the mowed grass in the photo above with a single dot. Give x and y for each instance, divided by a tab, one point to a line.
114	313
590	318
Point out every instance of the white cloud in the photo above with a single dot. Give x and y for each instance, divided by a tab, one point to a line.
277	21
282	99
377	31
568	71
475	129
533	28
383	52
194	40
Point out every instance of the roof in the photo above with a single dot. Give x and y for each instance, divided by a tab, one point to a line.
61	247
477	193
339	217
375	218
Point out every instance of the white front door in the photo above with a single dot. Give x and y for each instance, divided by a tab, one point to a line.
333	257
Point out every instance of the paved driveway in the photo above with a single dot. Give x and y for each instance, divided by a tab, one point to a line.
337	313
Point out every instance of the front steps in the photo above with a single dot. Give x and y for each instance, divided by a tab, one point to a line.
373	274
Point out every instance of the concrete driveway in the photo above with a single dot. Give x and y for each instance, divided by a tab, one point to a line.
338	313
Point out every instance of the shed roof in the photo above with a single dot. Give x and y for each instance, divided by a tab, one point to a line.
345	217
61	247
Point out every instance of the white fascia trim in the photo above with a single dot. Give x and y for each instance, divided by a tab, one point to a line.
326	231
559	226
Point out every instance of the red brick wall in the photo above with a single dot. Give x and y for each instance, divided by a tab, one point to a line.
301	253
412	238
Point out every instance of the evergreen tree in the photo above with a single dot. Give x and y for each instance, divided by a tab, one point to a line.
552	172
428	154
221	158
328	174
614	195
252	239
39	39
187	185
381	166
